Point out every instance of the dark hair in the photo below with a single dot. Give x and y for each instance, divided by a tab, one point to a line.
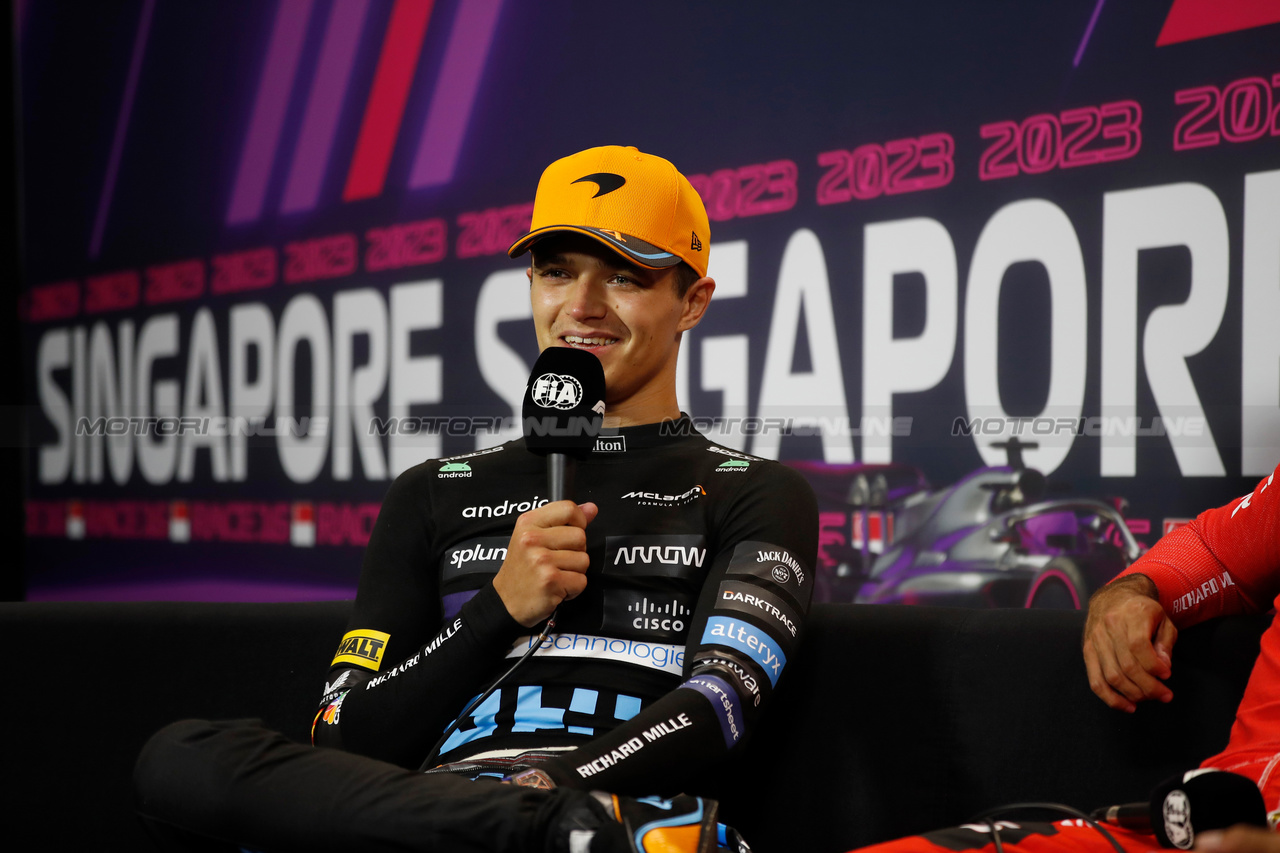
685	277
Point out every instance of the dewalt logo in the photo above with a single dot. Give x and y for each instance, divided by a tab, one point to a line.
362	648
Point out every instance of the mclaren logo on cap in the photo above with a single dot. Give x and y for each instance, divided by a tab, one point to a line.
606	181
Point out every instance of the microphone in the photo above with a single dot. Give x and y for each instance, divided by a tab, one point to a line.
563	412
1191	802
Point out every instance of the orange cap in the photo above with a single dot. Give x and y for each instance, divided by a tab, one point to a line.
635	203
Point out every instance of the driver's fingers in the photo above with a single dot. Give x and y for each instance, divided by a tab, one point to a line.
1166	636
1131	676
1098	682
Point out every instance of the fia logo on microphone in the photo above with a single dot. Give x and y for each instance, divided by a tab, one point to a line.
1177	819
557	391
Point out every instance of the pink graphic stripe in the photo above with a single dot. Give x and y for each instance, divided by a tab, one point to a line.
1196	19
455	93
260	143
391	83
19	18
122	128
324	105
1088	31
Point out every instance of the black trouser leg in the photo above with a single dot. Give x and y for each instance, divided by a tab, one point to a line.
203	786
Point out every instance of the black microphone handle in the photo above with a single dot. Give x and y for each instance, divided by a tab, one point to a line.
1135	816
559	476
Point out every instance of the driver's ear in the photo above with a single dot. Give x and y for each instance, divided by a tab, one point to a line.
696	299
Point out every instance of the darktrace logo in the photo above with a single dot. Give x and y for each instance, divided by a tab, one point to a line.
656	499
557	391
751	599
454	469
606	182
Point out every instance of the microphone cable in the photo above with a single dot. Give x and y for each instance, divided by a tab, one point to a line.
987	818
427	763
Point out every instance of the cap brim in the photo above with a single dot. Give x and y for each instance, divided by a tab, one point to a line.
645	254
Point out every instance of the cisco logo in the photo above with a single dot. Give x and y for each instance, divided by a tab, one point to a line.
669	617
646	616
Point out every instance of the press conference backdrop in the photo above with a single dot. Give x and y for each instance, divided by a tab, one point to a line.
264	252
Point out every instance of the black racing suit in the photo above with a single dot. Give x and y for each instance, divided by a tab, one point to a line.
701	573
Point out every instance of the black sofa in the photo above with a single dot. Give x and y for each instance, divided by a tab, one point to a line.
892	720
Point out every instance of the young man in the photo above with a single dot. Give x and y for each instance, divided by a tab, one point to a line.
681	573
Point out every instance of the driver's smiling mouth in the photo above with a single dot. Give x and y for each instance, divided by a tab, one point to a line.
594	341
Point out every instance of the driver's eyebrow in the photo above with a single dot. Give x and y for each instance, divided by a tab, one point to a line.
548	260
555	260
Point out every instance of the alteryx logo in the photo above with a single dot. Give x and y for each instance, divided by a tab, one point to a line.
330	101
743	637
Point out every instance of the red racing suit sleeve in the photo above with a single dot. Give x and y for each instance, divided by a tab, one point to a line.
745	629
1226	561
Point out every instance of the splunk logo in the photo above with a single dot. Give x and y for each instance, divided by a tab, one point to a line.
460	556
474	556
662	555
449	103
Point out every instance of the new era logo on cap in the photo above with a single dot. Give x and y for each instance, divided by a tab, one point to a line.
637	204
